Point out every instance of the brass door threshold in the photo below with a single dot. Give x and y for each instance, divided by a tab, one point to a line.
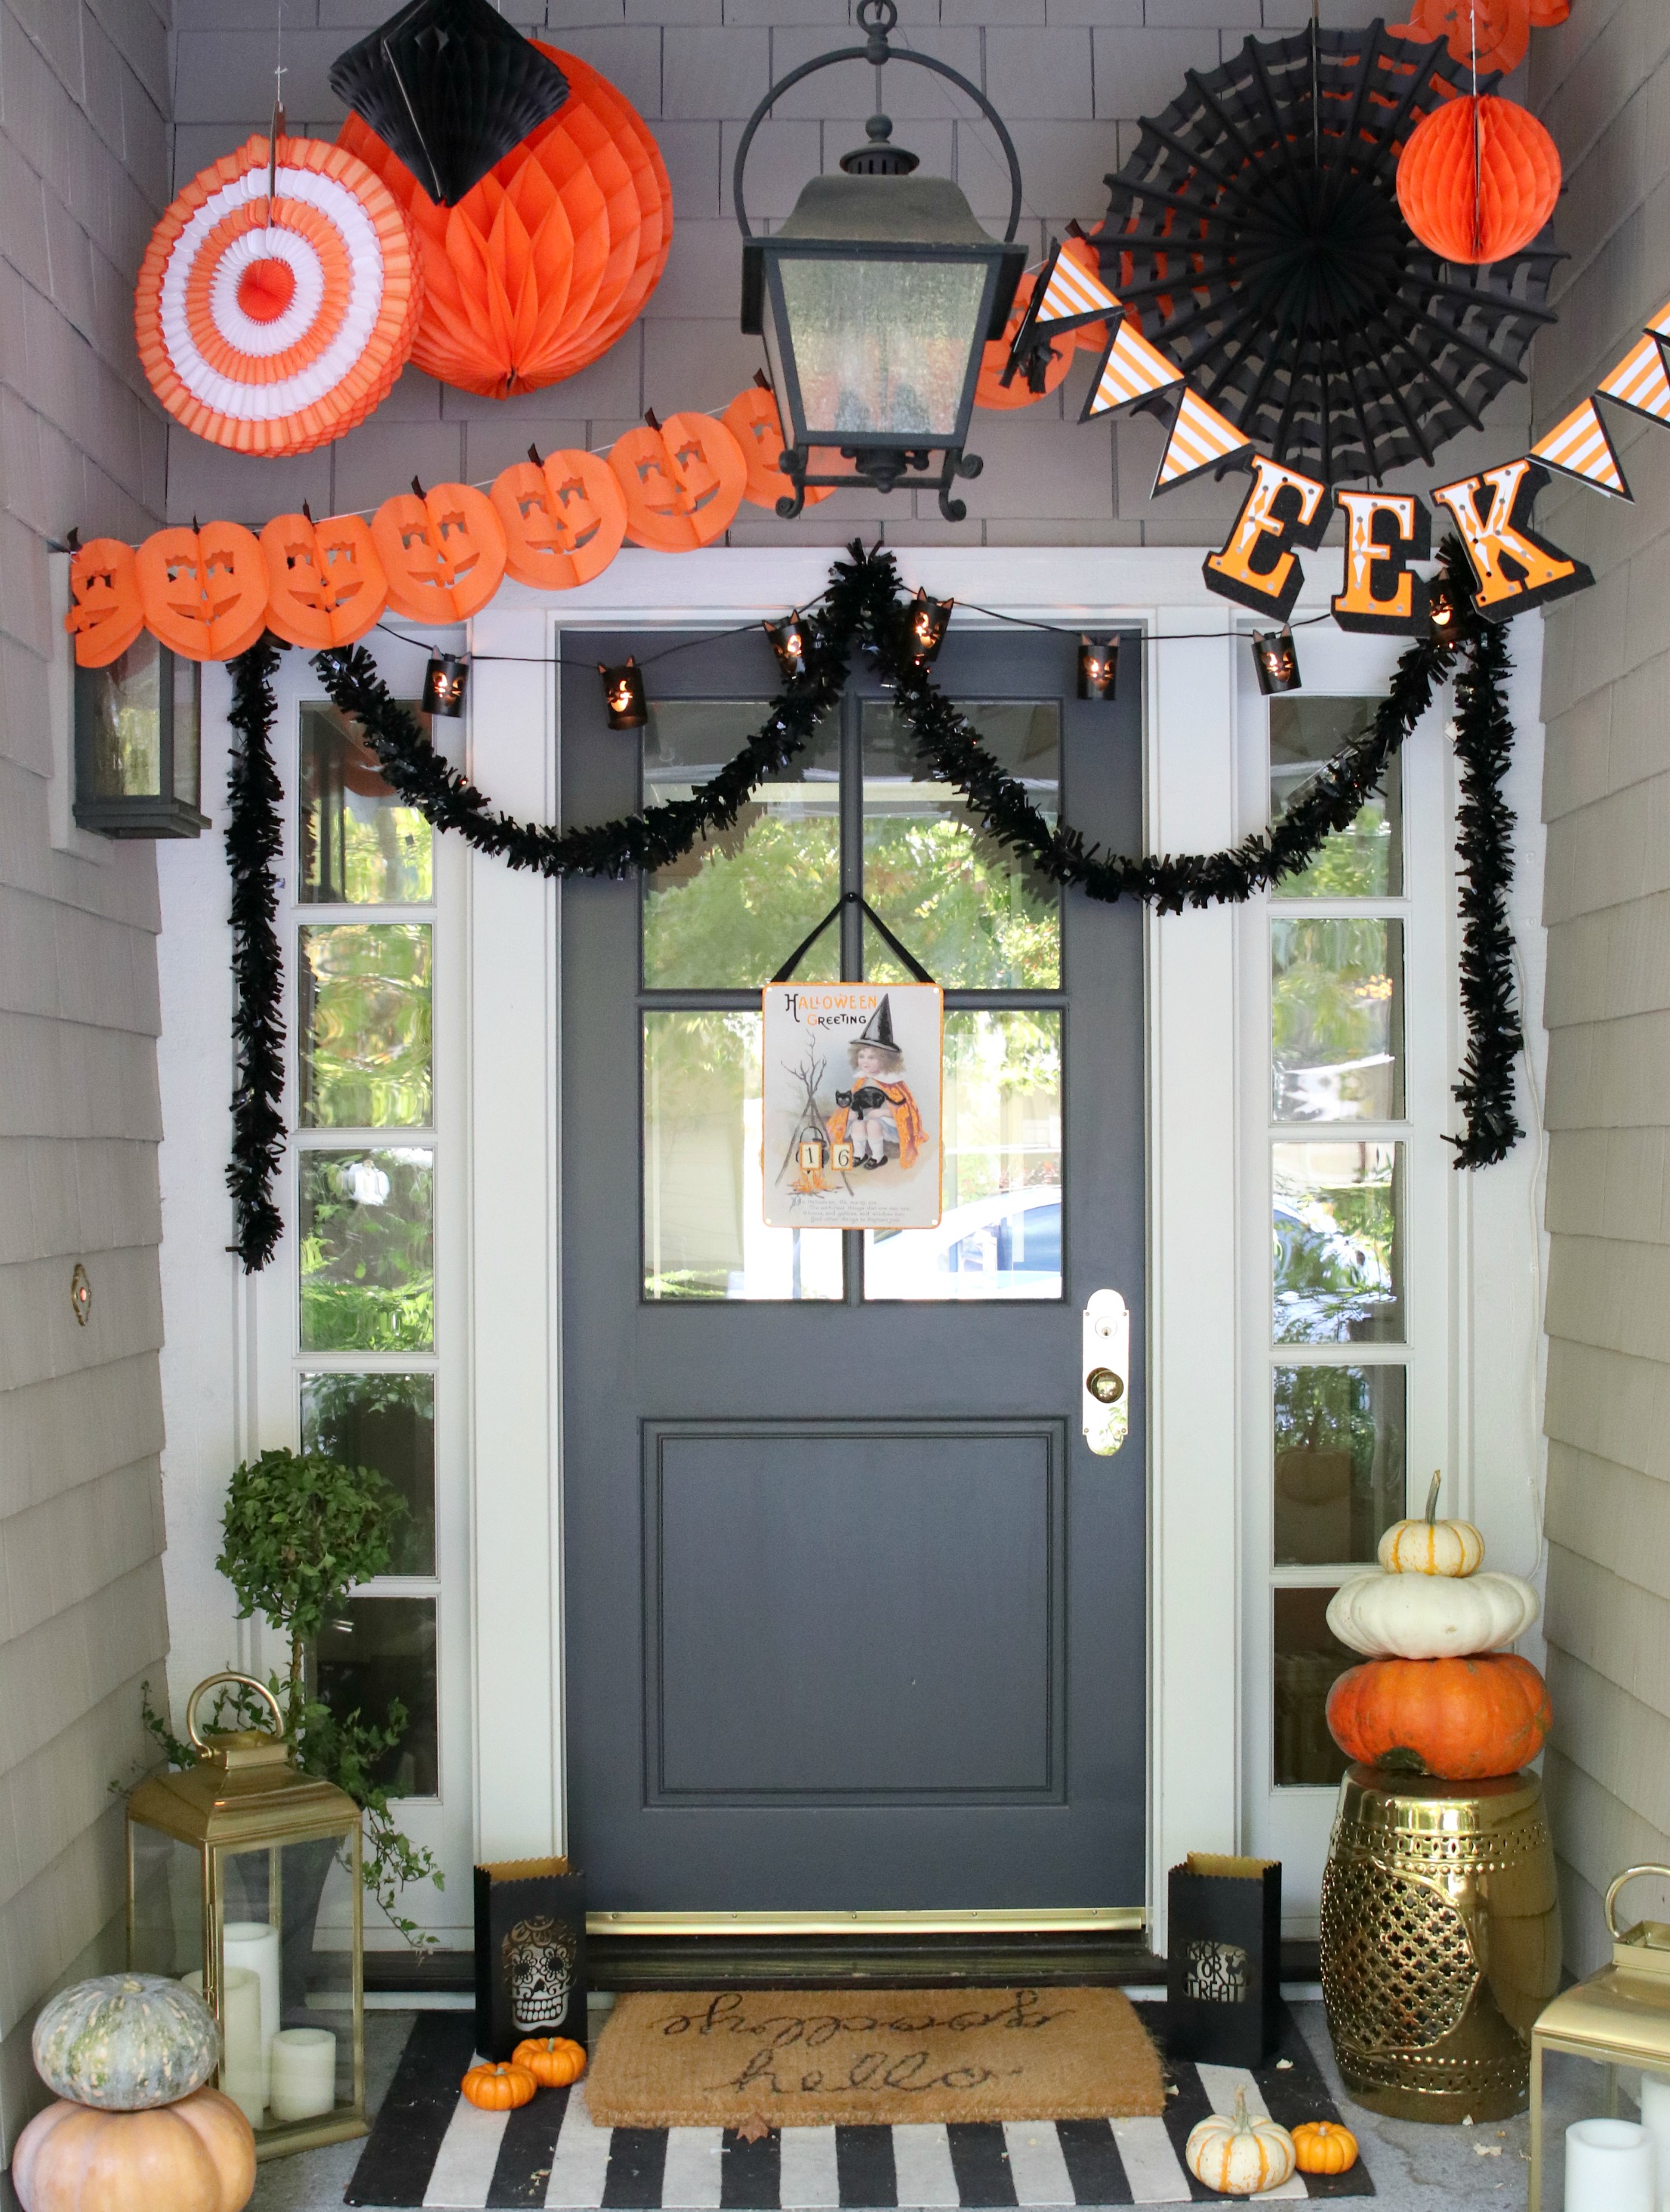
1100	1919
899	1957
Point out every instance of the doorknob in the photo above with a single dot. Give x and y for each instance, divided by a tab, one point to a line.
1107	1372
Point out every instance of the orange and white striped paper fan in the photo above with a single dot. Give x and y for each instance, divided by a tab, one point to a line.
273	326
1579	446
1130	369
1200	439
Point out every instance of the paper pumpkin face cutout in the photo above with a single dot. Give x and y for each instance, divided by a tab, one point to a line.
564	518
325	585
107	612
442	550
1054	354
683	479
753	421
204	591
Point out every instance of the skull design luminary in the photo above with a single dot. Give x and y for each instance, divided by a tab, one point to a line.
539	1968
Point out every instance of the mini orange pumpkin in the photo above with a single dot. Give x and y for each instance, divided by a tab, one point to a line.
553	2061
753	421
564	518
108	612
1324	2146
325	585
443	551
499	2088
683	481
204	591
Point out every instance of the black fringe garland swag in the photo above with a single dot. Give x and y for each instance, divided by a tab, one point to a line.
864	607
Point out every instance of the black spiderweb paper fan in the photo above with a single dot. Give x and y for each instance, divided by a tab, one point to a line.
1255	234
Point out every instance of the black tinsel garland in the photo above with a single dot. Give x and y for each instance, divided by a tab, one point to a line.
863	607
254	840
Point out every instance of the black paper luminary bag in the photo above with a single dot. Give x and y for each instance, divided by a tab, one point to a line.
1223	1959
530	1953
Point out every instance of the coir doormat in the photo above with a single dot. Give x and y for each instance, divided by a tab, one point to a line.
744	2058
430	2148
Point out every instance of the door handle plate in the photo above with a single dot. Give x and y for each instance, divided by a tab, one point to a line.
1105	1370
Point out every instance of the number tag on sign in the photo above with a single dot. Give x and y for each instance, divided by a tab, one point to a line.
1107	1373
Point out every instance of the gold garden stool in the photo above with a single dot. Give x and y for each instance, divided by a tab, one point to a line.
1441	1942
1618	2017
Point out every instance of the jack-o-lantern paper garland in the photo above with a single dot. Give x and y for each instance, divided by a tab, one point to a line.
106	610
754	422
325	585
683	481
443	551
204	591
274	324
564	518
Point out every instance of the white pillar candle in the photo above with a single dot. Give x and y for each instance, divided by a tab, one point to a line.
254	1944
1655	2118
304	2073
1609	2167
243	2069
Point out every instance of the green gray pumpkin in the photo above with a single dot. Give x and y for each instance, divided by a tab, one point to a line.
126	2042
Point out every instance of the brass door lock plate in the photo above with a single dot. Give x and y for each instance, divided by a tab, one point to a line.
1106	1368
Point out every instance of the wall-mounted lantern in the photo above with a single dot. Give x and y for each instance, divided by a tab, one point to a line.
137	756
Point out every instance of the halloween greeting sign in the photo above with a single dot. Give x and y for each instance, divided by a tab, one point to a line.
853	1100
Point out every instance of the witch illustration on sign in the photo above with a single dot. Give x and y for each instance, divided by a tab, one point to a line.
878	1110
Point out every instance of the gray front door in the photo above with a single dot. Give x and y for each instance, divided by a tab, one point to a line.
854	1619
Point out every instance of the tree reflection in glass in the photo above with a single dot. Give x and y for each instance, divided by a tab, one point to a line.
367	1226
1337	1237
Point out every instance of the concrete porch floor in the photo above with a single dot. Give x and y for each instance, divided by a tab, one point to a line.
1415	2169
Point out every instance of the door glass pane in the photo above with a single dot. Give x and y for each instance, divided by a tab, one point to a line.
976	915
366	1221
364	1011
704	1194
376	1654
1336	1018
1309	1660
1366	860
730	913
387	1422
1339	1470
1000	1236
1336	1225
359	845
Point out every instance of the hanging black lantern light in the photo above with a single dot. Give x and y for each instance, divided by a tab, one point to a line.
1098	667
443	683
875	299
624	695
928	620
1276	660
138	763
788	642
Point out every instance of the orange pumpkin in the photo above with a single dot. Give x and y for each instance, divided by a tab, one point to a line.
106	613
753	421
683	481
204	591
553	2061
990	390
443	551
564	518
1477	179
325	585
1324	2146
499	2088
196	2156
1462	1720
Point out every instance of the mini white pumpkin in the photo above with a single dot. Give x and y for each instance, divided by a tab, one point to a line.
126	2042
1431	1616
1432	1546
1237	2154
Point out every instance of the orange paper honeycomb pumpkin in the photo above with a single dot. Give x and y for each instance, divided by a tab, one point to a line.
1477	179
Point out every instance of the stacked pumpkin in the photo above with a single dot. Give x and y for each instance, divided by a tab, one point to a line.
1441	1693
135	2126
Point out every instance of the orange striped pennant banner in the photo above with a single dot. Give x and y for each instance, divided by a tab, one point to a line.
1579	446
1639	380
1200	439
1071	295
1130	369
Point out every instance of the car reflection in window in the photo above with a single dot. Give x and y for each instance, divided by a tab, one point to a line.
1004	1246
1332	1287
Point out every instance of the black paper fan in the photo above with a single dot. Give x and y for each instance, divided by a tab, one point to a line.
1255	234
452	88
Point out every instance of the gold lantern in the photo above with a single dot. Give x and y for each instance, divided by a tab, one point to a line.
1618	2017
244	1881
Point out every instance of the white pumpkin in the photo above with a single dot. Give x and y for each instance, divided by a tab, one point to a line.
1431	1616
1432	1546
1237	2154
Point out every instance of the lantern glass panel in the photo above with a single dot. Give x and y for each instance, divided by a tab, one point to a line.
168	1905
285	1974
188	730
882	346
121	710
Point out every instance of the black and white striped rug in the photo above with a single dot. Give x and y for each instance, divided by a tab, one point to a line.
430	2148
